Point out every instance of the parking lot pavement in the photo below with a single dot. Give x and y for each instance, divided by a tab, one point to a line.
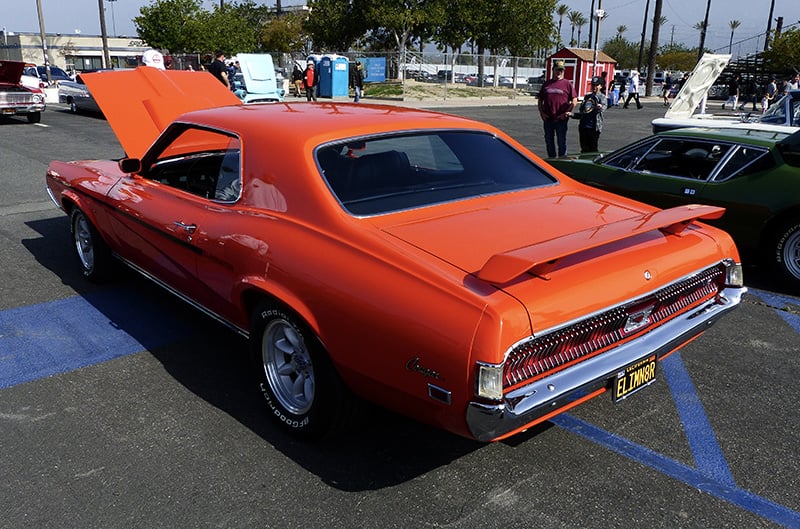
122	407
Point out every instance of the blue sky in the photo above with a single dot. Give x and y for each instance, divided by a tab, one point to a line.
62	16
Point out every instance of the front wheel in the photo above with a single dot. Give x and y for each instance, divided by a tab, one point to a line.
786	252
93	253
298	381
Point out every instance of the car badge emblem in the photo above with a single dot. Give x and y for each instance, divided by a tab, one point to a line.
638	320
647	275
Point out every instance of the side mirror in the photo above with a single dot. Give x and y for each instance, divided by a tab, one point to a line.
130	165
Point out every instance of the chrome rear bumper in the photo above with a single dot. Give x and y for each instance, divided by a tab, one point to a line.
523	406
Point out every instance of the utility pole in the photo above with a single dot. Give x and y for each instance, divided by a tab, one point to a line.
644	30
651	59
104	35
44	40
769	25
703	32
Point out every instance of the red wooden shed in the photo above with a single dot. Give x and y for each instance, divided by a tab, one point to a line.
578	67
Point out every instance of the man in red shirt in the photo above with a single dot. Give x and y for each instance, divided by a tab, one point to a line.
310	81
557	98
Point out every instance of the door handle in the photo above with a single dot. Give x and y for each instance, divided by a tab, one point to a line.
188	228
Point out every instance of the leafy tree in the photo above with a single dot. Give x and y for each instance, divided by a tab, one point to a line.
335	24
234	28
403	19
784	52
170	24
677	57
526	25
624	51
284	34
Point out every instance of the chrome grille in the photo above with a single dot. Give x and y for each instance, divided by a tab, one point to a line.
22	98
585	338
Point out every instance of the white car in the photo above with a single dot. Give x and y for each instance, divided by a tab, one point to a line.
782	116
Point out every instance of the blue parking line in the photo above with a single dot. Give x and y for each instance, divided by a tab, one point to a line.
60	336
779	302
681	472
707	454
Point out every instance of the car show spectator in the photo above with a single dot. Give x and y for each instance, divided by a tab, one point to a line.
219	70
733	92
557	98
633	90
154	59
297	80
591	117
310	81
357	81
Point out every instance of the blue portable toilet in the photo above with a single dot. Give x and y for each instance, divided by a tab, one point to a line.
334	76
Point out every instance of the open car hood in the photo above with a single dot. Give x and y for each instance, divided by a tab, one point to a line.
11	71
700	80
140	103
258	72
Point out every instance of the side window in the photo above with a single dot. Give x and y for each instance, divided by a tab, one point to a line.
626	159
744	161
795	113
683	158
202	162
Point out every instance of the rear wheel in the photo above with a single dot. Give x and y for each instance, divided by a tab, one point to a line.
93	253
299	383
786	252
34	117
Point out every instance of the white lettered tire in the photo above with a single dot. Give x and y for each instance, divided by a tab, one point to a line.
786	253
302	390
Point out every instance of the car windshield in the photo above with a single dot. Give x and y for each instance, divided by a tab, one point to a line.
391	173
55	73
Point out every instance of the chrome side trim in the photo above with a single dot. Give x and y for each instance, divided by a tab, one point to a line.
53	198
184	298
488	421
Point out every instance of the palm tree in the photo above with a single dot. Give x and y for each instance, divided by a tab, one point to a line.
573	17
701	27
580	23
733	25
561	11
621	30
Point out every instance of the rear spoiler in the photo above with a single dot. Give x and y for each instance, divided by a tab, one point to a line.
539	259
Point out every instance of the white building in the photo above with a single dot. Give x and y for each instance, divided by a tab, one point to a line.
71	51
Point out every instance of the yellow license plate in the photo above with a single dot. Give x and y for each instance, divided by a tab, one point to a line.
634	377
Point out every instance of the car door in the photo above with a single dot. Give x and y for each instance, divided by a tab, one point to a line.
160	215
665	171
743	187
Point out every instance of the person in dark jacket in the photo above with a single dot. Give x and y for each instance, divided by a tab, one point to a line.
590	114
357	81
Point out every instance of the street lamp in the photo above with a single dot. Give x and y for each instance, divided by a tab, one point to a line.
113	21
600	14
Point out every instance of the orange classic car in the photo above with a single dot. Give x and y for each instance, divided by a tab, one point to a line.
422	261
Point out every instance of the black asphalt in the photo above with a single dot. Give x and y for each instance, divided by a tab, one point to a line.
176	436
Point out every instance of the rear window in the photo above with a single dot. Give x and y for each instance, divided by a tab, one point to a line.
391	173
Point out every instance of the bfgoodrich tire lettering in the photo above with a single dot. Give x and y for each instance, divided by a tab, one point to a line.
786	252
297	379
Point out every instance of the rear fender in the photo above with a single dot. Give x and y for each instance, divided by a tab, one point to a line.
252	289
